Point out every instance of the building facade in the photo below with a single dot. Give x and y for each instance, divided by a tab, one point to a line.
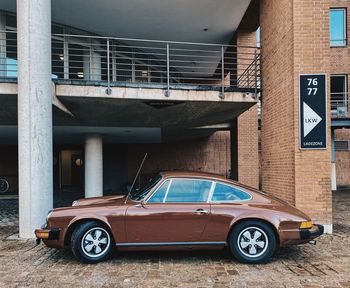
85	93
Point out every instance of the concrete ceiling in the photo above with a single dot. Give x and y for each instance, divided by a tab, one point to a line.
125	121
176	20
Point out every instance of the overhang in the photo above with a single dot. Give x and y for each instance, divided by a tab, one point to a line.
204	21
133	114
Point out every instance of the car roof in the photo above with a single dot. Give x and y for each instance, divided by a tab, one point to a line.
208	176
198	174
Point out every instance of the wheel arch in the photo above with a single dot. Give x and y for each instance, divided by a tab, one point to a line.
271	225
76	222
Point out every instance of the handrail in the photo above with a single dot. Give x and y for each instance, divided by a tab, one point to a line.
171	63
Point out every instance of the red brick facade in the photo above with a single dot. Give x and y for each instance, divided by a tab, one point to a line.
210	154
340	65
342	159
247	123
295	40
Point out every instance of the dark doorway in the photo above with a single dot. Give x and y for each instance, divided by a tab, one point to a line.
71	169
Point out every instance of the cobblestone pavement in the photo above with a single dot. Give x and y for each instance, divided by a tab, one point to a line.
22	264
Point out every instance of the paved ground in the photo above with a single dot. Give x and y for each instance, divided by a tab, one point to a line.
327	264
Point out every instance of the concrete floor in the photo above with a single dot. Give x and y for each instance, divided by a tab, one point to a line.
22	264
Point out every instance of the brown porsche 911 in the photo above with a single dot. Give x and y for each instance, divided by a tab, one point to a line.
179	209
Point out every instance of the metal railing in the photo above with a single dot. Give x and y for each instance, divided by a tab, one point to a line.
166	64
340	105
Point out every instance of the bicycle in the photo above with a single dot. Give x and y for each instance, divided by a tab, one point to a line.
4	185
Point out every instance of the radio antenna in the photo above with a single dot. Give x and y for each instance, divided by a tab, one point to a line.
137	175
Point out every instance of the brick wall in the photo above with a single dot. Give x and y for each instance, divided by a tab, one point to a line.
294	40
248	158
278	147
247	123
340	64
210	154
340	56
312	55
342	159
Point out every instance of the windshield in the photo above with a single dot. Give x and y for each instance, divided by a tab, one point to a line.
138	195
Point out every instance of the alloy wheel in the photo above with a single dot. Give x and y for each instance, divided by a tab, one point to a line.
95	242
252	242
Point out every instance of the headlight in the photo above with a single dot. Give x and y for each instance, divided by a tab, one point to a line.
48	215
74	202
306	225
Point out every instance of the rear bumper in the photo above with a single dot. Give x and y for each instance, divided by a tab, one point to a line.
312	233
300	236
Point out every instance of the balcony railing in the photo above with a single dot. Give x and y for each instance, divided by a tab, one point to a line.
169	65
340	105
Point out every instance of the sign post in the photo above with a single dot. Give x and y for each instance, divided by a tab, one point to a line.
313	111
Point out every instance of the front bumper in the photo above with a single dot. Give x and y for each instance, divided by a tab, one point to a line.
47	234
312	233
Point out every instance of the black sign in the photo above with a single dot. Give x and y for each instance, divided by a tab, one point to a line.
313	114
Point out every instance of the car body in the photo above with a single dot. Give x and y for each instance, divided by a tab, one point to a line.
182	210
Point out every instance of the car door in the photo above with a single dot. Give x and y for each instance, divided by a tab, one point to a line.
177	212
227	203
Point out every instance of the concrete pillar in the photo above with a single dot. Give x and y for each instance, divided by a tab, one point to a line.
2	44
334	172
34	114
86	66
93	165
92	66
96	68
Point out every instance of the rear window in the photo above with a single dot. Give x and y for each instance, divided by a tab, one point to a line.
223	192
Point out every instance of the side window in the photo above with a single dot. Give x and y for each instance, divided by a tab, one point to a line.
224	192
188	190
158	196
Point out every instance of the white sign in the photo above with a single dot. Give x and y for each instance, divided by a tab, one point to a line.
311	119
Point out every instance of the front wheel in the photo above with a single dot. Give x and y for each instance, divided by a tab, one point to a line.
252	242
91	242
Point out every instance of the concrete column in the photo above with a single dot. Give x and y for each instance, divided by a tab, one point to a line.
96	68
2	44
86	66
34	114
92	66
334	172
93	166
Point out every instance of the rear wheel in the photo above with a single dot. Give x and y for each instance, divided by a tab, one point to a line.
252	242
91	242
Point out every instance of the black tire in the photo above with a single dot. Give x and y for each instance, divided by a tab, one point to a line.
79	242
241	246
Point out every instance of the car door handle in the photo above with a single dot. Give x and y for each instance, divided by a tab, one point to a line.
201	212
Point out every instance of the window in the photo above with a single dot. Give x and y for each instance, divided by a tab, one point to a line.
224	192
188	190
158	196
339	95
138	195
338	27
341	145
258	35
